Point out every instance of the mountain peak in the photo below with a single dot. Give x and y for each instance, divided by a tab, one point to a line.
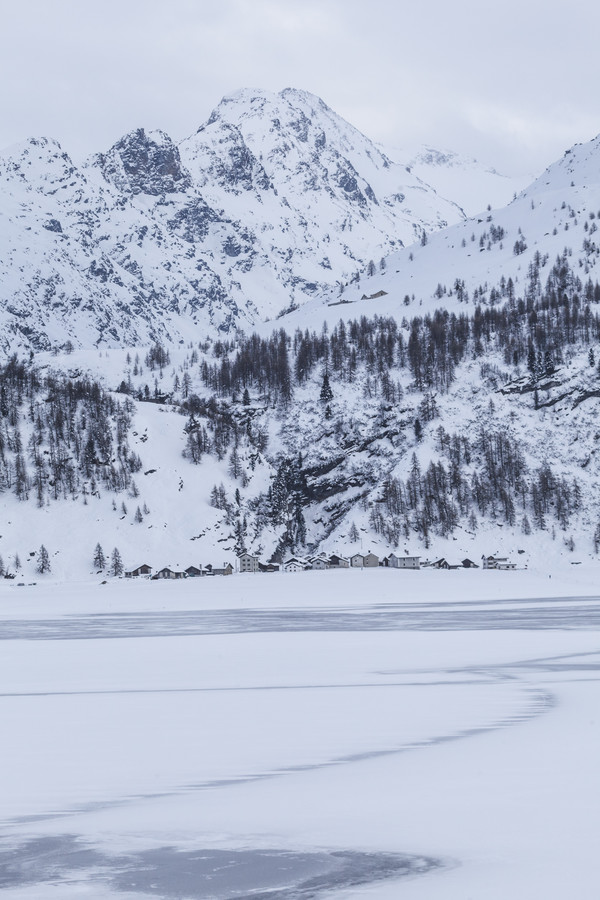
144	163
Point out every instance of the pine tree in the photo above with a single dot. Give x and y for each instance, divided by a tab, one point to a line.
116	563
235	465
597	538
326	395
2	570
99	558
353	534
531	359
43	564
138	516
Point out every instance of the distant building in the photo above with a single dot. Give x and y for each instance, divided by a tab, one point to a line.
268	567
357	561
295	564
469	564
338	562
440	564
248	563
319	562
497	562
166	572
227	569
374	296
193	572
404	562
145	569
370	561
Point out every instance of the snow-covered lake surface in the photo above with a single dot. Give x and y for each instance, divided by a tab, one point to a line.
327	735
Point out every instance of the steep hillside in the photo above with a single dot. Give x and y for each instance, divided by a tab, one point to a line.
447	436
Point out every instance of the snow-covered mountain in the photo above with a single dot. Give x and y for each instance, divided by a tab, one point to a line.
274	200
288	166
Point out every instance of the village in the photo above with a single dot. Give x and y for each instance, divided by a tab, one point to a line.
247	563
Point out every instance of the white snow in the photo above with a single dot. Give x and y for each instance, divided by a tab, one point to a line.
403	713
466	181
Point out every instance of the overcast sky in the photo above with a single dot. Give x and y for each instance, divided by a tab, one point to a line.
513	83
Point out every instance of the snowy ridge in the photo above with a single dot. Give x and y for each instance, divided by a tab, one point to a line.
271	202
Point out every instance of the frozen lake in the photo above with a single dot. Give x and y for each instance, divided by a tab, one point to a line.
382	735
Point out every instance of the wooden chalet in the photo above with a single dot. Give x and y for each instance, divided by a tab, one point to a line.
338	562
268	567
166	572
295	564
193	572
357	560
145	569
469	564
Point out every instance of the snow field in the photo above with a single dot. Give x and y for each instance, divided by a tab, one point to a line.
474	747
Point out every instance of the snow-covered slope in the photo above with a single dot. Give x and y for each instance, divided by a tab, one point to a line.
271	202
486	258
500	464
463	179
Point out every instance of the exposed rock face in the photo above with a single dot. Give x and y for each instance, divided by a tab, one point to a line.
143	163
